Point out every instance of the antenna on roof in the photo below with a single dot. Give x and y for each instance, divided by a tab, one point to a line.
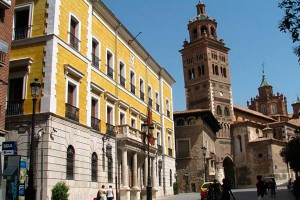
130	41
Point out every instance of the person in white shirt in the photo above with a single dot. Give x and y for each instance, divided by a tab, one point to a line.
110	193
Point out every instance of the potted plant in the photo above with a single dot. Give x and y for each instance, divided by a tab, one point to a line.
175	187
60	191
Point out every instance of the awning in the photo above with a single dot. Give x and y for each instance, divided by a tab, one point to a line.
9	171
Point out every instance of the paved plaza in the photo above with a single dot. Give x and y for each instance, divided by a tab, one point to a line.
240	194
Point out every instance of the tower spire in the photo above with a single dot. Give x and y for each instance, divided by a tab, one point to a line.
264	81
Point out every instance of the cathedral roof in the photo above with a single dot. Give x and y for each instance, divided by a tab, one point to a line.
297	101
258	114
264	81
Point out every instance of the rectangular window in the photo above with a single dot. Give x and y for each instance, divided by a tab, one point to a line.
132	82
22	22
168	108
122	74
95	54
109	64
133	123
142	94
95	121
72	112
122	118
15	103
149	96
157	101
74	33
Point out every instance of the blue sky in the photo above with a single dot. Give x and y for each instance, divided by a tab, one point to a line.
249	29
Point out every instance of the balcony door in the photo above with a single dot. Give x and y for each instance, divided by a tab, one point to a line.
15	89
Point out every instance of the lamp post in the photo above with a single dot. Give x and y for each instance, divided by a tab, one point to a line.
149	129
204	163
31	191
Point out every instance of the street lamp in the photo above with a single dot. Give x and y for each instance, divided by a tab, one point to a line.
204	149
148	128
31	191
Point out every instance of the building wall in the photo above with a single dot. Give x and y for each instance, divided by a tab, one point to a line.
6	20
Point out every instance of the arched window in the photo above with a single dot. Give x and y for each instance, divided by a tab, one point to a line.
240	142
213	68
219	110
110	170
191	122
216	69
212	31
70	162
94	167
171	178
273	109
203	30
263	109
203	72
224	72
180	122
226	111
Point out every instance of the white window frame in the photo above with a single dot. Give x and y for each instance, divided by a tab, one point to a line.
98	49
24	7
96	97
78	29
158	137
21	74
124	113
135	120
142	88
112	61
76	84
169	141
150	93
113	111
124	70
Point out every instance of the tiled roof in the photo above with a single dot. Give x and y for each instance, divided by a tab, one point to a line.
253	112
190	111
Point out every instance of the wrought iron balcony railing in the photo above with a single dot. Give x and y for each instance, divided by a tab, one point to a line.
122	81
150	102
132	88
72	112
21	33
142	95
74	41
95	61
157	107
110	72
95	123
170	152
15	107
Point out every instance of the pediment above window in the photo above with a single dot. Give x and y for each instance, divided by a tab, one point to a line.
72	71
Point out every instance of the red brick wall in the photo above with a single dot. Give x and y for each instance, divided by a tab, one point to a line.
6	19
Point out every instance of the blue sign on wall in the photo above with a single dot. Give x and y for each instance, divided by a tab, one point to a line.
10	148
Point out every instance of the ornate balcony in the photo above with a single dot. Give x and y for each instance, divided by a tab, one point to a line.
126	131
95	123
15	107
72	112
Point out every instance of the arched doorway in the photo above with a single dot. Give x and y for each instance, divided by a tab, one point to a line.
229	171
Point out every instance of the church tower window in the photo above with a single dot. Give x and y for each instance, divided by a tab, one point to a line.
219	110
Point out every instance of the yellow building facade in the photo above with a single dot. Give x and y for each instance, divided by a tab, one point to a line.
97	83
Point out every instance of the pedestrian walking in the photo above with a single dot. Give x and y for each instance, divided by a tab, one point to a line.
110	193
290	185
273	187
296	188
261	188
226	190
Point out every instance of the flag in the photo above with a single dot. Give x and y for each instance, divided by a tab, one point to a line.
151	140
149	116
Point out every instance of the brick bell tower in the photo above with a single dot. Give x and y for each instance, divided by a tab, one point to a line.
206	70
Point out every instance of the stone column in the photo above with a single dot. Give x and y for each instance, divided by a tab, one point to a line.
135	189
154	189
144	194
124	190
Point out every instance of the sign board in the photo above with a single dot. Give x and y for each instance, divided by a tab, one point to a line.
10	148
187	174
3	46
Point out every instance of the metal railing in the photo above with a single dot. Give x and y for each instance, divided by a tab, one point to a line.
21	33
168	113
157	107
72	112
150	102
142	95
110	129
132	88
15	107
110	72
122	81
170	152
2	58
95	123
95	61
74	41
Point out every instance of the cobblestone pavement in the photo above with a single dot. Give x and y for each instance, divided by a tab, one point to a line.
240	194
